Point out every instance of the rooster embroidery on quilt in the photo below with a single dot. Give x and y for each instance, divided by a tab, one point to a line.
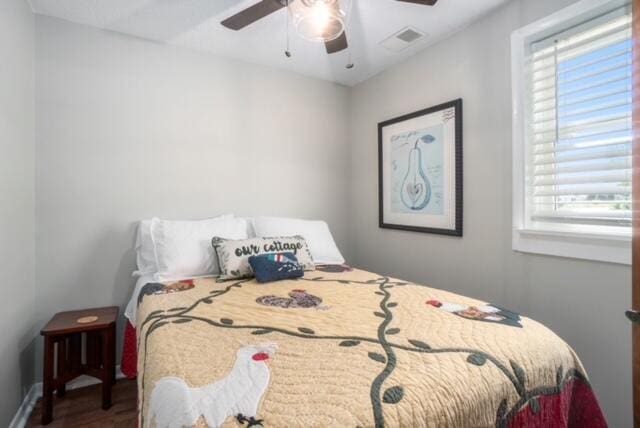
174	404
334	268
296	299
487	313
153	288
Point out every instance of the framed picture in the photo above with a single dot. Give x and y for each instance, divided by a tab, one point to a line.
420	171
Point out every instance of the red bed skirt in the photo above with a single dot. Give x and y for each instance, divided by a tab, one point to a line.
575	407
129	363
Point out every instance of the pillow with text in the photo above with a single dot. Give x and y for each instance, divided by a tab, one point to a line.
233	255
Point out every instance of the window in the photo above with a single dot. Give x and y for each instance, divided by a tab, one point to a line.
572	82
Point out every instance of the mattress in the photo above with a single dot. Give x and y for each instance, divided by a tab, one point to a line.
344	347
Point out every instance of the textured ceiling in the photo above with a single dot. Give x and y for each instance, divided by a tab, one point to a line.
195	24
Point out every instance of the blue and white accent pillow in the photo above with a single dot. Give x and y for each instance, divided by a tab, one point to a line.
275	267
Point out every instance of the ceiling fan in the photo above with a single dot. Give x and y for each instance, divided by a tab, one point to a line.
316	20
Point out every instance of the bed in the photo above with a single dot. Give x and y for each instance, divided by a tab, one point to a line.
345	347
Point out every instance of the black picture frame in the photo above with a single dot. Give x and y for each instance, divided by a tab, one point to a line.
458	188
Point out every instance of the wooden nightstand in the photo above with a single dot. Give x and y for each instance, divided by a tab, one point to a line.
63	337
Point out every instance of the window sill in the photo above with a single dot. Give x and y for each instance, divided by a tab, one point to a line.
586	246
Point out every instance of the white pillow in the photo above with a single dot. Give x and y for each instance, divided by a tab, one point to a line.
183	248
145	254
251	233
317	234
145	251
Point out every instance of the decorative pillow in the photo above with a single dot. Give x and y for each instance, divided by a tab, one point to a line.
316	232
182	248
275	267
233	255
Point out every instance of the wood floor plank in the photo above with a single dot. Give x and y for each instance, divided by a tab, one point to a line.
82	408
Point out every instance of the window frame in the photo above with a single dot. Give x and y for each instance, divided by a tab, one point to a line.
614	248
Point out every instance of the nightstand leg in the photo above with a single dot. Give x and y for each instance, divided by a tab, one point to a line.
62	366
107	367
47	381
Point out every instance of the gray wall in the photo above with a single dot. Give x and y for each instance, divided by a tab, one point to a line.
582	301
128	129
16	204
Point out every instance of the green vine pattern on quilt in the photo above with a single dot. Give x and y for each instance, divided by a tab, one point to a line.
380	393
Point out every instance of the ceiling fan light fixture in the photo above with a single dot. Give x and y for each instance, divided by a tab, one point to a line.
319	20
311	3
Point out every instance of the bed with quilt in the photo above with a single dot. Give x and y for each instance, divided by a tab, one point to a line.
341	347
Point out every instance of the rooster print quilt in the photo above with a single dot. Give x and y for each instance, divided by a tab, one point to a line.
342	347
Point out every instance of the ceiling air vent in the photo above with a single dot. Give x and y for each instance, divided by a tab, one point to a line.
402	39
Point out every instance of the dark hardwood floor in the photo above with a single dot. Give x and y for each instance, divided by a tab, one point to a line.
81	408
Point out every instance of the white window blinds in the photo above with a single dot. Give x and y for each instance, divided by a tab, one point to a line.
578	127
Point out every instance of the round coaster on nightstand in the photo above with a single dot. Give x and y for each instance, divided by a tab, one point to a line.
87	320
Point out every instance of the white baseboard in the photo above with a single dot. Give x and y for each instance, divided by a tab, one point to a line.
35	392
25	409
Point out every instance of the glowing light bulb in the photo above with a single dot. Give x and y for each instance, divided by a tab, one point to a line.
318	20
321	15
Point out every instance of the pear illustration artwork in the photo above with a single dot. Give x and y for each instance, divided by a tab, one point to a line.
416	188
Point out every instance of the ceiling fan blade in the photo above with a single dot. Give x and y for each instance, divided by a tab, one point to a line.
338	44
252	14
422	2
